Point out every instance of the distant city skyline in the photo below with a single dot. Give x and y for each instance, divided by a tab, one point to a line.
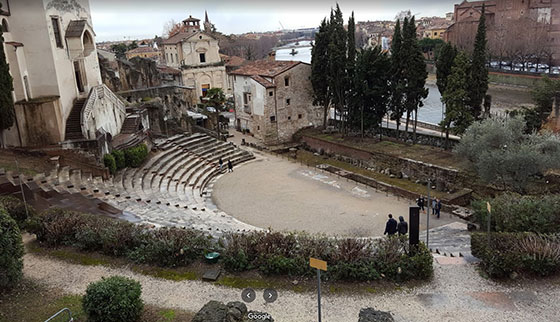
115	20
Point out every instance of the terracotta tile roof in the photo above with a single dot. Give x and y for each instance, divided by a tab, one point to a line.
233	61
146	49
182	36
261	80
265	68
168	70
75	28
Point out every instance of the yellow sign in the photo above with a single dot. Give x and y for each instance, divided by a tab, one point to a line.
318	264
488	207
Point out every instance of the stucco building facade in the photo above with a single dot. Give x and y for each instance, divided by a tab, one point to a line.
273	99
50	49
195	52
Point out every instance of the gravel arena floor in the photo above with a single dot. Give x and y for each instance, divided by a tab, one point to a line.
271	192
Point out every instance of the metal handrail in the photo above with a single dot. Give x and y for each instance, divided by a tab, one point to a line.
60	312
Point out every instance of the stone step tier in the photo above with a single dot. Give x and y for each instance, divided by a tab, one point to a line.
170	189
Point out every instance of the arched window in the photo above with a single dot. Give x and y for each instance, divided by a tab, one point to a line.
5	26
87	41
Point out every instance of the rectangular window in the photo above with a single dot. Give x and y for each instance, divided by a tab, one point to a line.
299	116
56	30
176	58
286	81
246	99
273	119
171	57
270	93
287	102
202	57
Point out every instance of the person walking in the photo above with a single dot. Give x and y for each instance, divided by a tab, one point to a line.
434	205
221	163
438	208
391	226
402	227
420	203
230	166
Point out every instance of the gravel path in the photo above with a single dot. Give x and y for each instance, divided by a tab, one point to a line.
457	293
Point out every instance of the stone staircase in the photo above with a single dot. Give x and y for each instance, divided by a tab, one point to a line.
170	189
73	123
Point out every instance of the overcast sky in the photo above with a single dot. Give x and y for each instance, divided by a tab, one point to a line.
124	19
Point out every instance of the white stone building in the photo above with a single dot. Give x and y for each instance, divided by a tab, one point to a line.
50	49
195	52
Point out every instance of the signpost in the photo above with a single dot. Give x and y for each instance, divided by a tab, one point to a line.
320	266
489	208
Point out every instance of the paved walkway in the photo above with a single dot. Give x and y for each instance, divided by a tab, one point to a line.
457	293
283	195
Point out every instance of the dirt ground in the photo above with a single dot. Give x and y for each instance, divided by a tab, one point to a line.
282	195
29	164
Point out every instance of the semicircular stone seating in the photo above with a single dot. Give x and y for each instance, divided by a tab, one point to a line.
169	189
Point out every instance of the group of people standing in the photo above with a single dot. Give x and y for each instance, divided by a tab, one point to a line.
229	165
392	227
435	206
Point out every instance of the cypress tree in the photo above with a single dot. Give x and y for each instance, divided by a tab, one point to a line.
353	115
479	71
456	97
397	81
372	87
320	69
414	71
7	113
337	63
443	65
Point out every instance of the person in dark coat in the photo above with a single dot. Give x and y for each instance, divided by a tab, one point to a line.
391	226
221	163
421	203
438	207
230	166
402	227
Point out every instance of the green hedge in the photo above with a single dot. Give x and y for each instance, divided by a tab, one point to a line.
136	155
120	160
275	253
114	299
16	209
516	213
271	253
163	246
110	163
11	252
524	253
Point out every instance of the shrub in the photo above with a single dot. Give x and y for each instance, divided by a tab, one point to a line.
16	209
274	253
11	252
517	252
515	213
116	298
119	159
136	155
170	247
163	246
110	163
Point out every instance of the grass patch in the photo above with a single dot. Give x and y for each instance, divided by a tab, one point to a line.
242	282
167	274
70	255
13	168
31	302
312	160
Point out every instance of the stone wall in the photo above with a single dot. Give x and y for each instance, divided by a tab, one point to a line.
39	122
167	106
445	179
299	112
